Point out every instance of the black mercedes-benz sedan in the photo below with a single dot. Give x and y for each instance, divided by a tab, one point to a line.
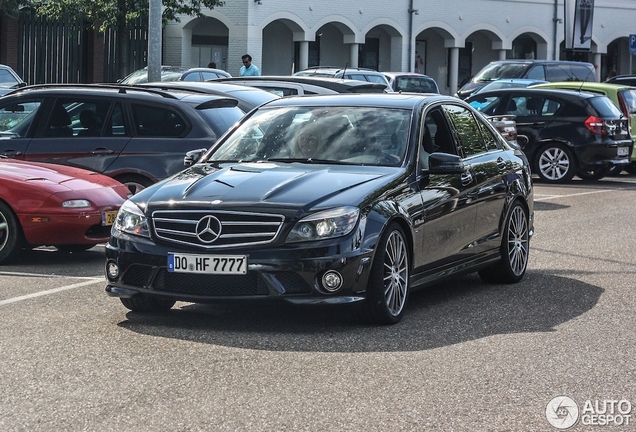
330	200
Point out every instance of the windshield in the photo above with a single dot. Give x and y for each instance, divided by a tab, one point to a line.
494	71
345	135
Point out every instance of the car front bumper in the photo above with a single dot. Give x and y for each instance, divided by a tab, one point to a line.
290	273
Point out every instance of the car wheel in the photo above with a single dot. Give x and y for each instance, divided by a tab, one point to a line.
388	285
555	163
11	236
74	248
594	173
145	303
515	249
134	183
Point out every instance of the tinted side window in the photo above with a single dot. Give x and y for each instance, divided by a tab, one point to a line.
194	76
582	73
536	72
153	121
16	117
468	132
558	72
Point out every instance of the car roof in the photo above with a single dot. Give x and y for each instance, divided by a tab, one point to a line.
338	84
537	91
383	100
587	85
107	90
407	74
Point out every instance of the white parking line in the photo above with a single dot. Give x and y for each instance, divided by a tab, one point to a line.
51	291
539	197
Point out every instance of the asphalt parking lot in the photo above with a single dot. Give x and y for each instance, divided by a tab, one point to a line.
468	356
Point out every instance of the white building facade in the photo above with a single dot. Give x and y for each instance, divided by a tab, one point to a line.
449	40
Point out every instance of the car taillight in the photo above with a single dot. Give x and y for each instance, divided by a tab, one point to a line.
623	106
596	125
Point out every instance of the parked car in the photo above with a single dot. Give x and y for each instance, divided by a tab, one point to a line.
9	80
175	73
623	96
411	82
135	135
629	80
305	85
568	133
505	83
53	205
248	98
330	199
361	74
548	70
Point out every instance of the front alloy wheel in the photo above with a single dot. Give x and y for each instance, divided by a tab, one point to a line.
515	249
388	286
555	163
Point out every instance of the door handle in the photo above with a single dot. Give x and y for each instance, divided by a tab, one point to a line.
12	153
102	151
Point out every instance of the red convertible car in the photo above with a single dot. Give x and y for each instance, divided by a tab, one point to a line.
54	205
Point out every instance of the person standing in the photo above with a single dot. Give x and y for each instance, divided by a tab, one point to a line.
248	69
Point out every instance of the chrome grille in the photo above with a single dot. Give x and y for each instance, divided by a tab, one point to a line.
236	228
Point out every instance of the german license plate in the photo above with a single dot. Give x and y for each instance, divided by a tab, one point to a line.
207	264
623	151
108	218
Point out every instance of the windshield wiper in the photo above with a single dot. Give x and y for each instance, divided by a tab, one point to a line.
307	160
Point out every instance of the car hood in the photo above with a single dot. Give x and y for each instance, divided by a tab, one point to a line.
57	178
267	185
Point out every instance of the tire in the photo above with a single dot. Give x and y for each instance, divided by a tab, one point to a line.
515	249
145	303
11	236
555	163
388	286
594	174
134	183
74	248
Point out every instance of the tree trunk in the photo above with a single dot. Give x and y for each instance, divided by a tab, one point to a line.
122	40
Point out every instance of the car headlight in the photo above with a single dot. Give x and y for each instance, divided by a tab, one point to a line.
325	224
131	220
76	203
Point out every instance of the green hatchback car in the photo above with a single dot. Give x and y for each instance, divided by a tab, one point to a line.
623	96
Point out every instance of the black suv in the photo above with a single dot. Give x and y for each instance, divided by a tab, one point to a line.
569	133
135	135
546	70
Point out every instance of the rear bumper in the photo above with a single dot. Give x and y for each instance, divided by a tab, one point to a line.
598	155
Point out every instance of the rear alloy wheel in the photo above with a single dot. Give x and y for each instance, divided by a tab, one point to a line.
515	249
11	237
555	163
145	303
388	286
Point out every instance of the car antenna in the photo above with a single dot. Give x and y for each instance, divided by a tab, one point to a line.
345	70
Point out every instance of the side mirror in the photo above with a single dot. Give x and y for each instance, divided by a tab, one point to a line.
193	157
445	163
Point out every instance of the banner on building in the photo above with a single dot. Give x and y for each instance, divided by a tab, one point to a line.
579	16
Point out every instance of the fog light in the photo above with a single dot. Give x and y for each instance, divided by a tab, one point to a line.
112	270
332	281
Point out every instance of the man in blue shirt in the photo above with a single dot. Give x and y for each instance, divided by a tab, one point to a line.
248	69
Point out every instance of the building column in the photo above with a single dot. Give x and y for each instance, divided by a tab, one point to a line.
502	54
303	57
453	73
353	55
597	66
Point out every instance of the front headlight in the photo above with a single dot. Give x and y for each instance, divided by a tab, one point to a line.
131	220
325	224
76	203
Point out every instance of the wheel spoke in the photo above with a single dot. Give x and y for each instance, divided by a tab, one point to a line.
518	248
395	273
